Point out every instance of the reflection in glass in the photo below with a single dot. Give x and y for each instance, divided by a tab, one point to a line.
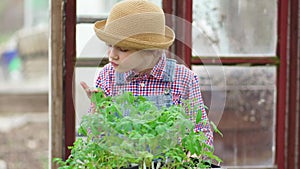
233	27
99	7
94	7
82	102
248	119
87	43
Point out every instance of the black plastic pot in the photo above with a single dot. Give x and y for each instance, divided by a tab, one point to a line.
134	167
206	163
212	165
137	167
156	162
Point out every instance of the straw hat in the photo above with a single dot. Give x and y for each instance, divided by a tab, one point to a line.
135	24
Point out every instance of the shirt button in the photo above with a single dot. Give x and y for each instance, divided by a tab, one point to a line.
167	91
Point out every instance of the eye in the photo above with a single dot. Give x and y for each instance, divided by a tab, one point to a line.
123	50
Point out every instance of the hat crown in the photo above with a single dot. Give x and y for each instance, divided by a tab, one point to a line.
133	17
136	24
132	7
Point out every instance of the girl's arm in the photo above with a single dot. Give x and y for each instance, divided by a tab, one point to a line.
196	100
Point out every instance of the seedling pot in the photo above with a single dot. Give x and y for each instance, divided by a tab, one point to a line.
134	167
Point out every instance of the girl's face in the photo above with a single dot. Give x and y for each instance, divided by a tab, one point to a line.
124	60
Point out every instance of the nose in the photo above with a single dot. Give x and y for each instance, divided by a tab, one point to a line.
112	53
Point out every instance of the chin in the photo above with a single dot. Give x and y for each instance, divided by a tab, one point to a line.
121	71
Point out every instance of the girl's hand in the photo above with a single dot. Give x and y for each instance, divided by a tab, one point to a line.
89	91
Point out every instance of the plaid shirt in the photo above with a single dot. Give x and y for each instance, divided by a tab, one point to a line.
184	85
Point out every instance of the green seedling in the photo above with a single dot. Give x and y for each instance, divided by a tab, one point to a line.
128	130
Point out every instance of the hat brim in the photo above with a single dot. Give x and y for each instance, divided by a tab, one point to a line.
164	42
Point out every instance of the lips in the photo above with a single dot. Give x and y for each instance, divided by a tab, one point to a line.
114	64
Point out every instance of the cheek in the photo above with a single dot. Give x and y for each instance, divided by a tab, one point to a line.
123	56
128	63
128	57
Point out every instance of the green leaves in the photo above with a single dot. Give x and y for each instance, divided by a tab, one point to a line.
215	128
199	116
128	129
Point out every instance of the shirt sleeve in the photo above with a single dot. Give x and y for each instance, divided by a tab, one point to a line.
197	103
104	79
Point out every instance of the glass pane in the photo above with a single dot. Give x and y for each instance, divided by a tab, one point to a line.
87	43
82	102
232	27
99	7
248	119
94	7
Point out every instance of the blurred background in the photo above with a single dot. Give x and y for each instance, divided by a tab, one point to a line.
24	83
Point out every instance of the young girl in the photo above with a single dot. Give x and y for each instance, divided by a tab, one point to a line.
137	40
